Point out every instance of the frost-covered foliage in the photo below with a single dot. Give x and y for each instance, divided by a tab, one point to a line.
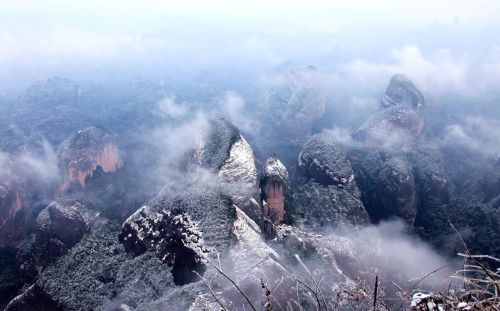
85	277
97	274
139	281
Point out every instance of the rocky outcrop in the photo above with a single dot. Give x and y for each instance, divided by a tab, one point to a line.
12	224
64	221
336	252
431	177
97	274
172	236
172	226
212	210
251	247
84	152
380	162
240	167
325	190
224	152
275	187
400	118
387	184
58	228
83	278
213	148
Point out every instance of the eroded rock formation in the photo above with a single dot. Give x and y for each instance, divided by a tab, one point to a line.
275	187
387	184
172	236
214	147
400	118
225	152
240	167
325	190
58	228
10	204
84	152
380	162
16	217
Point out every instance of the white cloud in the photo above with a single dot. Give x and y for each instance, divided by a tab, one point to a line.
387	247
233	108
171	108
476	133
41	165
437	73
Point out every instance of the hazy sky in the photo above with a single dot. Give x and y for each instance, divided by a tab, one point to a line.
451	38
257	15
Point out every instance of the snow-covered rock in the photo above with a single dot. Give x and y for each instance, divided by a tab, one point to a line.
213	148
251	247
400	118
240	166
172	236
275	188
325	190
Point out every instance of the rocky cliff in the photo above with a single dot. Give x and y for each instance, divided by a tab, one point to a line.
400	118
325	189
84	152
275	190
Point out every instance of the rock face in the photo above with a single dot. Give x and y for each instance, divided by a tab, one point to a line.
399	119
214	147
431	177
387	184
325	190
168	226
12	225
225	152
213	211
381	165
84	152
64	222
174	238
58	228
240	166
275	187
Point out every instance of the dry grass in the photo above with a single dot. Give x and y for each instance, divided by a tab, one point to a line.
476	287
